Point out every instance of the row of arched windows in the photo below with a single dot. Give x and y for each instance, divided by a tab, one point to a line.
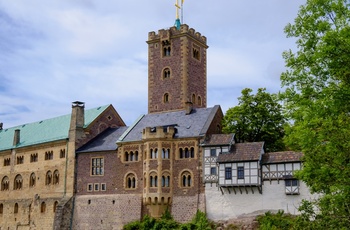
131	156
50	178
186	152
194	101
153	153
186	180
16	207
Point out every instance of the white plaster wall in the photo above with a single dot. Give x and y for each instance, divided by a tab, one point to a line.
273	198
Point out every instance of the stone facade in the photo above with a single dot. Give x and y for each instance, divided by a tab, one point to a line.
37	179
177	69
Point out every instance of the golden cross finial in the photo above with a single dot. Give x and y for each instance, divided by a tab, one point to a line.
178	7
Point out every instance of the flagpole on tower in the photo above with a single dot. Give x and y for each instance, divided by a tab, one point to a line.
182	11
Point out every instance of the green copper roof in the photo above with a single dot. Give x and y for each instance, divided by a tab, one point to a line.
53	129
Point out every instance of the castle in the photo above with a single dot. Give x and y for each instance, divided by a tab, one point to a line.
88	170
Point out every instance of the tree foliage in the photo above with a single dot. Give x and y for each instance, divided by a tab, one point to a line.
316	96
256	118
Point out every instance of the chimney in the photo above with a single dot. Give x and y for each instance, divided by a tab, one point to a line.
77	119
188	107
16	137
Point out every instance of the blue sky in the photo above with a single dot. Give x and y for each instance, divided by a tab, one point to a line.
55	52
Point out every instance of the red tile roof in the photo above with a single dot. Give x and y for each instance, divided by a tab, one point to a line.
285	156
219	139
250	151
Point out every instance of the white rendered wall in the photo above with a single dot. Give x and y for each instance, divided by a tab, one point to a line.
232	206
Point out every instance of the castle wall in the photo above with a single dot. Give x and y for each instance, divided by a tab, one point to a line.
273	198
106	211
184	208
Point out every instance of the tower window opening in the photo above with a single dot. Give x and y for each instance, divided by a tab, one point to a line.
193	98
166	73
166	98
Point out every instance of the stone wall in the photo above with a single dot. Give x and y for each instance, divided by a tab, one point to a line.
106	211
232	206
184	208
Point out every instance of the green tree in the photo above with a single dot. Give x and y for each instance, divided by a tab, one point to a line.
316	96
256	118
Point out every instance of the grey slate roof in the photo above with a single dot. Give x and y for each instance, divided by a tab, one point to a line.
192	125
105	141
250	151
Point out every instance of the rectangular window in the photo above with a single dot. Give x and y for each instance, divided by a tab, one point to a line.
213	152
292	186
240	172
96	187
213	171
89	187
103	187
97	166
228	173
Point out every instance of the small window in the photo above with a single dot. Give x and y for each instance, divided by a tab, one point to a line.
17	184
48	155
48	179
32	180
165	181
213	152
62	153
89	187
15	209
193	98
165	153
166	48
166	98
33	157
153	181
240	172
97	166
56	177
166	73
96	187
1	208
213	171
43	207
154	153
228	173
5	183
130	181
199	101
55	206
186	179
292	186
7	162
103	187
20	160
195	52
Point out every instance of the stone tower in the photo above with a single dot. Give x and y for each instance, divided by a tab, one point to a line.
177	69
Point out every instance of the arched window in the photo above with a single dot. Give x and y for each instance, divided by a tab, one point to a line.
1	208
43	207
153	179
166	73
165	153
48	179
5	183
181	153
55	206
166	98
187	153
193	98
56	177
186	179
17	184
126	156
131	156
15	210
165	180
32	180
199	100
192	152
154	153
136	155
130	181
